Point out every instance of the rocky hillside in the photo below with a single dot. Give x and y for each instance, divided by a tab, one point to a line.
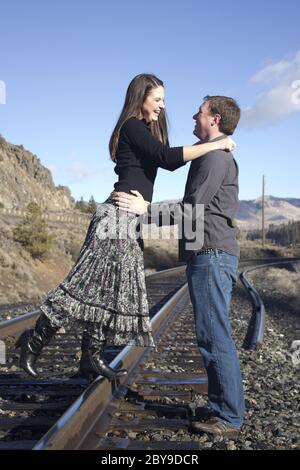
24	179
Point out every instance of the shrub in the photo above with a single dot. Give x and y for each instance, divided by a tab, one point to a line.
33	233
73	249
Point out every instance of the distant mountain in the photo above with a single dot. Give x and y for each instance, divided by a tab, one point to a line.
277	211
293	201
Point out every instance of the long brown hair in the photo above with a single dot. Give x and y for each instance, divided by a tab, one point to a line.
138	90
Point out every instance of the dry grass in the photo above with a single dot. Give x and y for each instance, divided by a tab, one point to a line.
163	253
160	254
253	249
285	281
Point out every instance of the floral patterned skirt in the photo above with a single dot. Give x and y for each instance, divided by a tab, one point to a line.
106	288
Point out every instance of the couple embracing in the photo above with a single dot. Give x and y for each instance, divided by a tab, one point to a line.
105	290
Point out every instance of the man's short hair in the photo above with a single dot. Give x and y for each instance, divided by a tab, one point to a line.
228	109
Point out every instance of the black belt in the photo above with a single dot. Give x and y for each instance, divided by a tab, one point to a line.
208	251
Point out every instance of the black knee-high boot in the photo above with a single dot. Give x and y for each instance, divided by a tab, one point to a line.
32	342
92	362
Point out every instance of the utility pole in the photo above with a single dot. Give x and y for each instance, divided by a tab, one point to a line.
263	212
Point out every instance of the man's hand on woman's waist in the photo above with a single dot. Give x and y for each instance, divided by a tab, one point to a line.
133	203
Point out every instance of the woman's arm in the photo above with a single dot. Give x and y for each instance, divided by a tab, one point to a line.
169	158
148	148
196	151
135	202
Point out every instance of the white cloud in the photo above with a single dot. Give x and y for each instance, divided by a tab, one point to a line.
78	172
75	172
280	97
271	72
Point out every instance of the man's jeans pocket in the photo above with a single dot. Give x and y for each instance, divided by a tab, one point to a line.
228	277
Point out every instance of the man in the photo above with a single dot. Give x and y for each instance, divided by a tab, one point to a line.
211	271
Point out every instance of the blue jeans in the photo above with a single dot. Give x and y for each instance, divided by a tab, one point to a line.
211	278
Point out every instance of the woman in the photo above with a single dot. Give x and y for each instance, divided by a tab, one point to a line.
105	290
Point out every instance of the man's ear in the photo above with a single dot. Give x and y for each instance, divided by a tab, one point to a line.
216	120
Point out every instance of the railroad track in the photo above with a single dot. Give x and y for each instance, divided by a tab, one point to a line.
64	412
29	407
9	311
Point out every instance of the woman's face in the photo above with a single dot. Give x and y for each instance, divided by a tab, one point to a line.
153	104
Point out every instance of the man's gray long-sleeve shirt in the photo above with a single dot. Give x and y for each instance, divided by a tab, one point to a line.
213	182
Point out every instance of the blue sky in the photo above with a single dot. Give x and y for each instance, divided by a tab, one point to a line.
66	65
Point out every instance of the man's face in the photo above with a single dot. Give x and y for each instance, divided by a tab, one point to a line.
204	121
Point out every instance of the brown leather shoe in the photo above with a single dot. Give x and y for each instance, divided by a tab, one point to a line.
215	427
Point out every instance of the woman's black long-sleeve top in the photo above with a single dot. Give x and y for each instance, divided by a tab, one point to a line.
139	155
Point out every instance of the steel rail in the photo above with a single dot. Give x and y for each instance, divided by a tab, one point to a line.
71	430
255	332
19	324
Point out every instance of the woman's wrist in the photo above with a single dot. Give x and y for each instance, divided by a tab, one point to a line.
216	145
